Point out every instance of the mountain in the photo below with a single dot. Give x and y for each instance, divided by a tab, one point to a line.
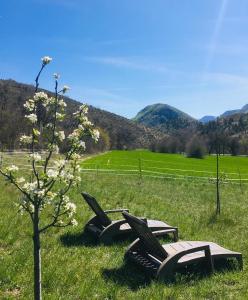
227	113
163	117
242	110
230	112
207	119
116	132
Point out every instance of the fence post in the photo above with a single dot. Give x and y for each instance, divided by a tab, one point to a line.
140	168
240	181
97	170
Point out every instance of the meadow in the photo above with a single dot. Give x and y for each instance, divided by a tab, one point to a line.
76	267
174	166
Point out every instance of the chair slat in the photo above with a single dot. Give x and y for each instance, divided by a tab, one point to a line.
149	241
92	202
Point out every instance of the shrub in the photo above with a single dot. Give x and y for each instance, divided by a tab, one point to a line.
195	148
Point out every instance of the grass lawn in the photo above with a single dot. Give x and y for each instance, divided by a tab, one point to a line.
174	165
74	267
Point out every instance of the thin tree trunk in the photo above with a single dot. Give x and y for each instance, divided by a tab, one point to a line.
217	184
37	258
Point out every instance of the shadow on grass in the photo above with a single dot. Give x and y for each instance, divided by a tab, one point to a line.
213	219
132	276
78	239
88	240
127	275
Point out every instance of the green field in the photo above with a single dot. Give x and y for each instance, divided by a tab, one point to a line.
75	267
168	165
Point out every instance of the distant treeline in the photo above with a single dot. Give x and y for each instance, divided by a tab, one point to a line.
225	136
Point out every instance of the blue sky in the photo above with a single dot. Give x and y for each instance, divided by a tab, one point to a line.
121	55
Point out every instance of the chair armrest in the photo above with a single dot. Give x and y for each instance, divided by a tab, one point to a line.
109	211
205	248
164	232
169	265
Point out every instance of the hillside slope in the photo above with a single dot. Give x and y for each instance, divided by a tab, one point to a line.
117	132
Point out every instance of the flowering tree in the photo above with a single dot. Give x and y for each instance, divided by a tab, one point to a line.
44	190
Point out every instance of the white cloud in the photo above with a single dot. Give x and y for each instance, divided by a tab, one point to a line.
227	79
216	33
227	49
130	63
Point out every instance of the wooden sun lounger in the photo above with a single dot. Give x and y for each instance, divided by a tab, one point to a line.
162	261
106	229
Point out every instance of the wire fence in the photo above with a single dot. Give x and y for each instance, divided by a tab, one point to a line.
136	168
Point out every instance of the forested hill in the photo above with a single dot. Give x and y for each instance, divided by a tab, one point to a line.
116	132
164	117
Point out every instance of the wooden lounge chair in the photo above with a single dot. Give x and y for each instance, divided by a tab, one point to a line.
106	229
162	261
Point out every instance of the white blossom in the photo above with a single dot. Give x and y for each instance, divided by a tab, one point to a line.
20	180
66	175
62	103
78	179
54	148
95	134
74	135
29	105
84	109
51	100
59	163
30	187
40	193
61	135
81	144
70	208
40	96
81	127
59	116
65	89
46	60
74	222
66	199
30	207
26	139
36	157
12	168
49	125
41	183
78	167
75	156
52	173
32	118
36	132
56	75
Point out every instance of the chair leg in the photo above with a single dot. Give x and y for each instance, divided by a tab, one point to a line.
106	239
176	235
240	261
210	261
166	274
